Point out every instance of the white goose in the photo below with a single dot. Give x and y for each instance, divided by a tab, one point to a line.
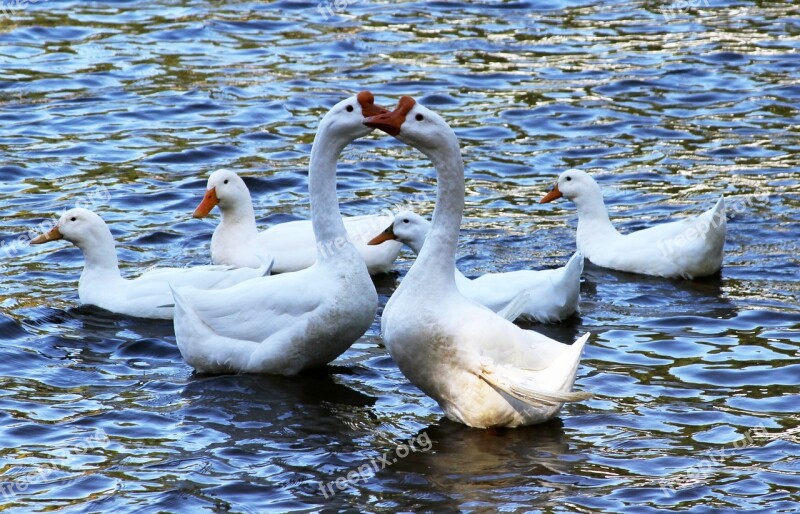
689	248
286	323
545	296
147	296
237	241
483	370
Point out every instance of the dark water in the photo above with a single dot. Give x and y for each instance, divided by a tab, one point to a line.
126	107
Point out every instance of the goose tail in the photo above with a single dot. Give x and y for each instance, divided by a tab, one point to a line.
718	216
569	285
574	266
201	347
715	218
516	307
719	207
525	385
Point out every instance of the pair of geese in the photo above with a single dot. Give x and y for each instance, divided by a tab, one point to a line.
483	370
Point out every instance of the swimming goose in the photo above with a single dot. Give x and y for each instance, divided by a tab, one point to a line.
481	369
547	295
286	323
148	295
237	241
689	248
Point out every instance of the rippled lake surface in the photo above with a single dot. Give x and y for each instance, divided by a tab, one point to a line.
126	107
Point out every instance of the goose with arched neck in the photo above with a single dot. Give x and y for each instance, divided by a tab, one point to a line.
237	241
287	323
481	369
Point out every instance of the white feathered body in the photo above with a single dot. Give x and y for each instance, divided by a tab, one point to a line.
549	295
149	295
281	324
688	248
449	345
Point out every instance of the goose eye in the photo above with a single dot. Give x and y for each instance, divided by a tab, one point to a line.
405	221
419	117
226	181
349	108
73	218
569	178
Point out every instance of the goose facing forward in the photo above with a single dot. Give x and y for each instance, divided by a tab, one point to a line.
688	248
237	242
286	323
147	296
482	370
545	296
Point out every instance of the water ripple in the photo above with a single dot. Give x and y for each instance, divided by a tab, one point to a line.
127	107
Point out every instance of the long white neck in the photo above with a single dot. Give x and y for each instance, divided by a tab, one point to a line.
326	219
593	222
99	253
435	265
239	217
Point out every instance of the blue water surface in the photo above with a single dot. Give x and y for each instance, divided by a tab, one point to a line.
126	107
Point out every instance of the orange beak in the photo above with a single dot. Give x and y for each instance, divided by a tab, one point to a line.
392	122
52	235
552	195
208	203
386	235
367	102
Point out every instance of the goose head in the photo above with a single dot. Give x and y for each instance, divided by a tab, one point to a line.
79	226
574	185
417	126
344	121
226	189
408	227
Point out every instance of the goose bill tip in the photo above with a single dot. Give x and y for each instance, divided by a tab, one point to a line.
386	235
552	195
52	235
210	200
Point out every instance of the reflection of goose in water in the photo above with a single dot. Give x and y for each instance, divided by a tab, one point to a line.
311	403
93	335
282	435
501	458
640	297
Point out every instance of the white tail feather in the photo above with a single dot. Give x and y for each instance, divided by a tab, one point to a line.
516	306
574	265
503	378
520	383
